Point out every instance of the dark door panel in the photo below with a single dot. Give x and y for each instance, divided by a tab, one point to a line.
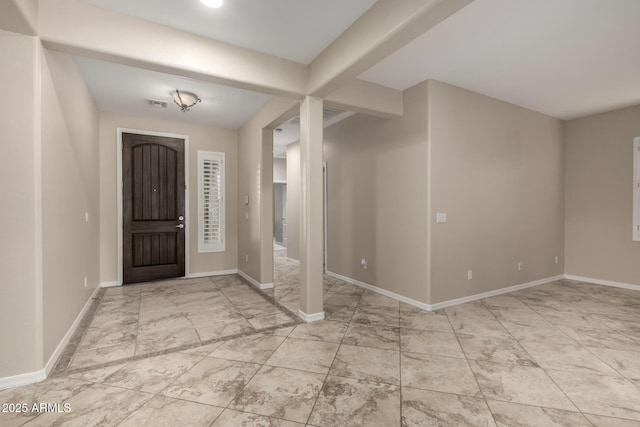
153	207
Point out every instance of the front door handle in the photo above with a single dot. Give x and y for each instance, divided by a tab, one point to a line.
180	226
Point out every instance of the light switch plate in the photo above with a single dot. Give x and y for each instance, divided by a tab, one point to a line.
441	217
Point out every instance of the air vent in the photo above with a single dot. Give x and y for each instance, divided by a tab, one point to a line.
157	104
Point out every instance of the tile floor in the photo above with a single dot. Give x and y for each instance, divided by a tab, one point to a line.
560	354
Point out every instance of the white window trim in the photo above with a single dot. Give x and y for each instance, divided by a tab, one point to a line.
636	188
204	247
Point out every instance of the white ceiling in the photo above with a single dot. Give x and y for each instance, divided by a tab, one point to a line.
125	90
297	30
564	58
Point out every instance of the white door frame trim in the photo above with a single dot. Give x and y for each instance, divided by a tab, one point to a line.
185	138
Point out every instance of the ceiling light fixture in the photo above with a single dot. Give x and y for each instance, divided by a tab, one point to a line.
212	3
185	100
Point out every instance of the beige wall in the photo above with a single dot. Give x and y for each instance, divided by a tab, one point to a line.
200	138
21	289
377	198
253	182
279	170
497	171
69	189
599	196
293	200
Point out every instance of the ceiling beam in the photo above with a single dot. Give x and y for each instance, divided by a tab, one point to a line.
19	16
384	28
80	29
368	98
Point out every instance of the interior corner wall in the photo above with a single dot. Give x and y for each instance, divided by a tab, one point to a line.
20	290
201	137
293	200
279	170
69	192
377	198
497	172
251	160
599	197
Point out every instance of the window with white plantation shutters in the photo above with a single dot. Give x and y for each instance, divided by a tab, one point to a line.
210	201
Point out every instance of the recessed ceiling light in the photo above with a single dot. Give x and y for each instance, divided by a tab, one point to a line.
212	3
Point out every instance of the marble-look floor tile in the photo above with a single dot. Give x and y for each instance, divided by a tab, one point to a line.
212	381
384	316
513	414
541	332
376	300
601	338
96	375
495	349
107	337
626	363
519	384
83	359
305	355
97	405
573	320
231	418
437	373
350	402
425	320
600	421
372	336
327	330
252	348
270	320
470	309
478	326
153	374
571	358
58	390
221	330
347	300
338	313
281	393
430	342
428	408
171	321
163	339
202	350
367	364
165	412
600	395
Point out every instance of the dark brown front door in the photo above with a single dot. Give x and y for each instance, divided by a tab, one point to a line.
153	207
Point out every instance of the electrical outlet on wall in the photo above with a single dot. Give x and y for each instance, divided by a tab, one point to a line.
520	266
85	281
469	274
556	259
363	263
246	258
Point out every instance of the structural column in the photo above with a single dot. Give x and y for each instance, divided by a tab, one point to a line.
311	221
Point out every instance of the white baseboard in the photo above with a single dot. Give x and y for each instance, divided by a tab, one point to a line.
254	282
381	291
494	293
23	379
439	305
314	317
110	284
211	273
41	375
603	282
